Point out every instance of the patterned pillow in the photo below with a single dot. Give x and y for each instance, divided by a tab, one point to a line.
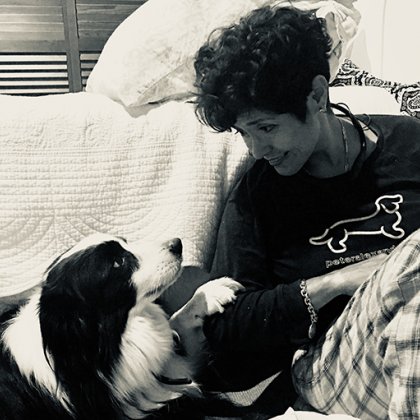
407	95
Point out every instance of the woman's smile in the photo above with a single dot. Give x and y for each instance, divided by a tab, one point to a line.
276	160
287	163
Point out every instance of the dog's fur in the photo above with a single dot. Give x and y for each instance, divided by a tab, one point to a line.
93	344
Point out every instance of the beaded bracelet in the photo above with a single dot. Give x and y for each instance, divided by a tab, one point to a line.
311	309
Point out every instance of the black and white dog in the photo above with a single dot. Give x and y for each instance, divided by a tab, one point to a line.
93	344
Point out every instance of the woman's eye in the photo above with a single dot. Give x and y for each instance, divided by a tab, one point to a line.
267	128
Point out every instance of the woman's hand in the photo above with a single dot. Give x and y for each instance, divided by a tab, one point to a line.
349	278
344	281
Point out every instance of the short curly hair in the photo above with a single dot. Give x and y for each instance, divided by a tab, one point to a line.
267	61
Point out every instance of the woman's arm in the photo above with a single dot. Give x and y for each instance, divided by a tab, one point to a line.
268	318
267	314
323	289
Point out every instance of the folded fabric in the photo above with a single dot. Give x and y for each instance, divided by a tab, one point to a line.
291	414
76	164
150	56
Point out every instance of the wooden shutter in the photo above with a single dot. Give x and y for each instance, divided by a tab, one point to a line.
51	46
32	47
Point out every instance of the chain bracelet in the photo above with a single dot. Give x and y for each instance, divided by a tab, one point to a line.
311	309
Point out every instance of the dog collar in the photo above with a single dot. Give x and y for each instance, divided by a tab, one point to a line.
179	349
173	381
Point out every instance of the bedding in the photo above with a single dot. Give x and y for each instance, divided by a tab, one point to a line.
78	163
149	57
365	99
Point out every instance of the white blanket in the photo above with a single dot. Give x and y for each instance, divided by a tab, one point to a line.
75	164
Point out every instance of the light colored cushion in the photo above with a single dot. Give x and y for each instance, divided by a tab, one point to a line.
365	99
149	57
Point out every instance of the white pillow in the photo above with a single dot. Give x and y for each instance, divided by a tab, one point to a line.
150	55
365	99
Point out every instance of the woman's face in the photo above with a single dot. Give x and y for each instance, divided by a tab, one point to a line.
283	140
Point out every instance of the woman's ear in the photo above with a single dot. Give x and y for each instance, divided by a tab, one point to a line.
319	93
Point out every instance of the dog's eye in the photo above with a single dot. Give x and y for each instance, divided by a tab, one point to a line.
118	262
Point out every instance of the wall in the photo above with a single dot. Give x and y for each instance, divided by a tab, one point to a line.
388	41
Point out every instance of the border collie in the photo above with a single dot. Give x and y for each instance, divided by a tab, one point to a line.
93	344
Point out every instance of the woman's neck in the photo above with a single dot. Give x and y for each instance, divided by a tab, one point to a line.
338	148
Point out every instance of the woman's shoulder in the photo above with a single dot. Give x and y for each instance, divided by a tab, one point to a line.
394	129
259	174
400	121
254	184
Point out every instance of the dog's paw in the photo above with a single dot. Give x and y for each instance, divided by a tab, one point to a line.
218	293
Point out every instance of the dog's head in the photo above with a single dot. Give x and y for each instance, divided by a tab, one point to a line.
101	268
103	336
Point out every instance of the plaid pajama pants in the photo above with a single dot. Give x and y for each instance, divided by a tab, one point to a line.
368	363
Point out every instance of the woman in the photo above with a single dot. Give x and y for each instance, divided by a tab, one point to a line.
329	196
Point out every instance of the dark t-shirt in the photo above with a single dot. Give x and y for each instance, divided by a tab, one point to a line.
277	230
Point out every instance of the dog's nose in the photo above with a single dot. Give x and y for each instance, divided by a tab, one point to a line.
175	246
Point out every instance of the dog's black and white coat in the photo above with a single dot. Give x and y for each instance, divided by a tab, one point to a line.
92	343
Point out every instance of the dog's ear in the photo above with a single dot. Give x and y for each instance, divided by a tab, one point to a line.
83	312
